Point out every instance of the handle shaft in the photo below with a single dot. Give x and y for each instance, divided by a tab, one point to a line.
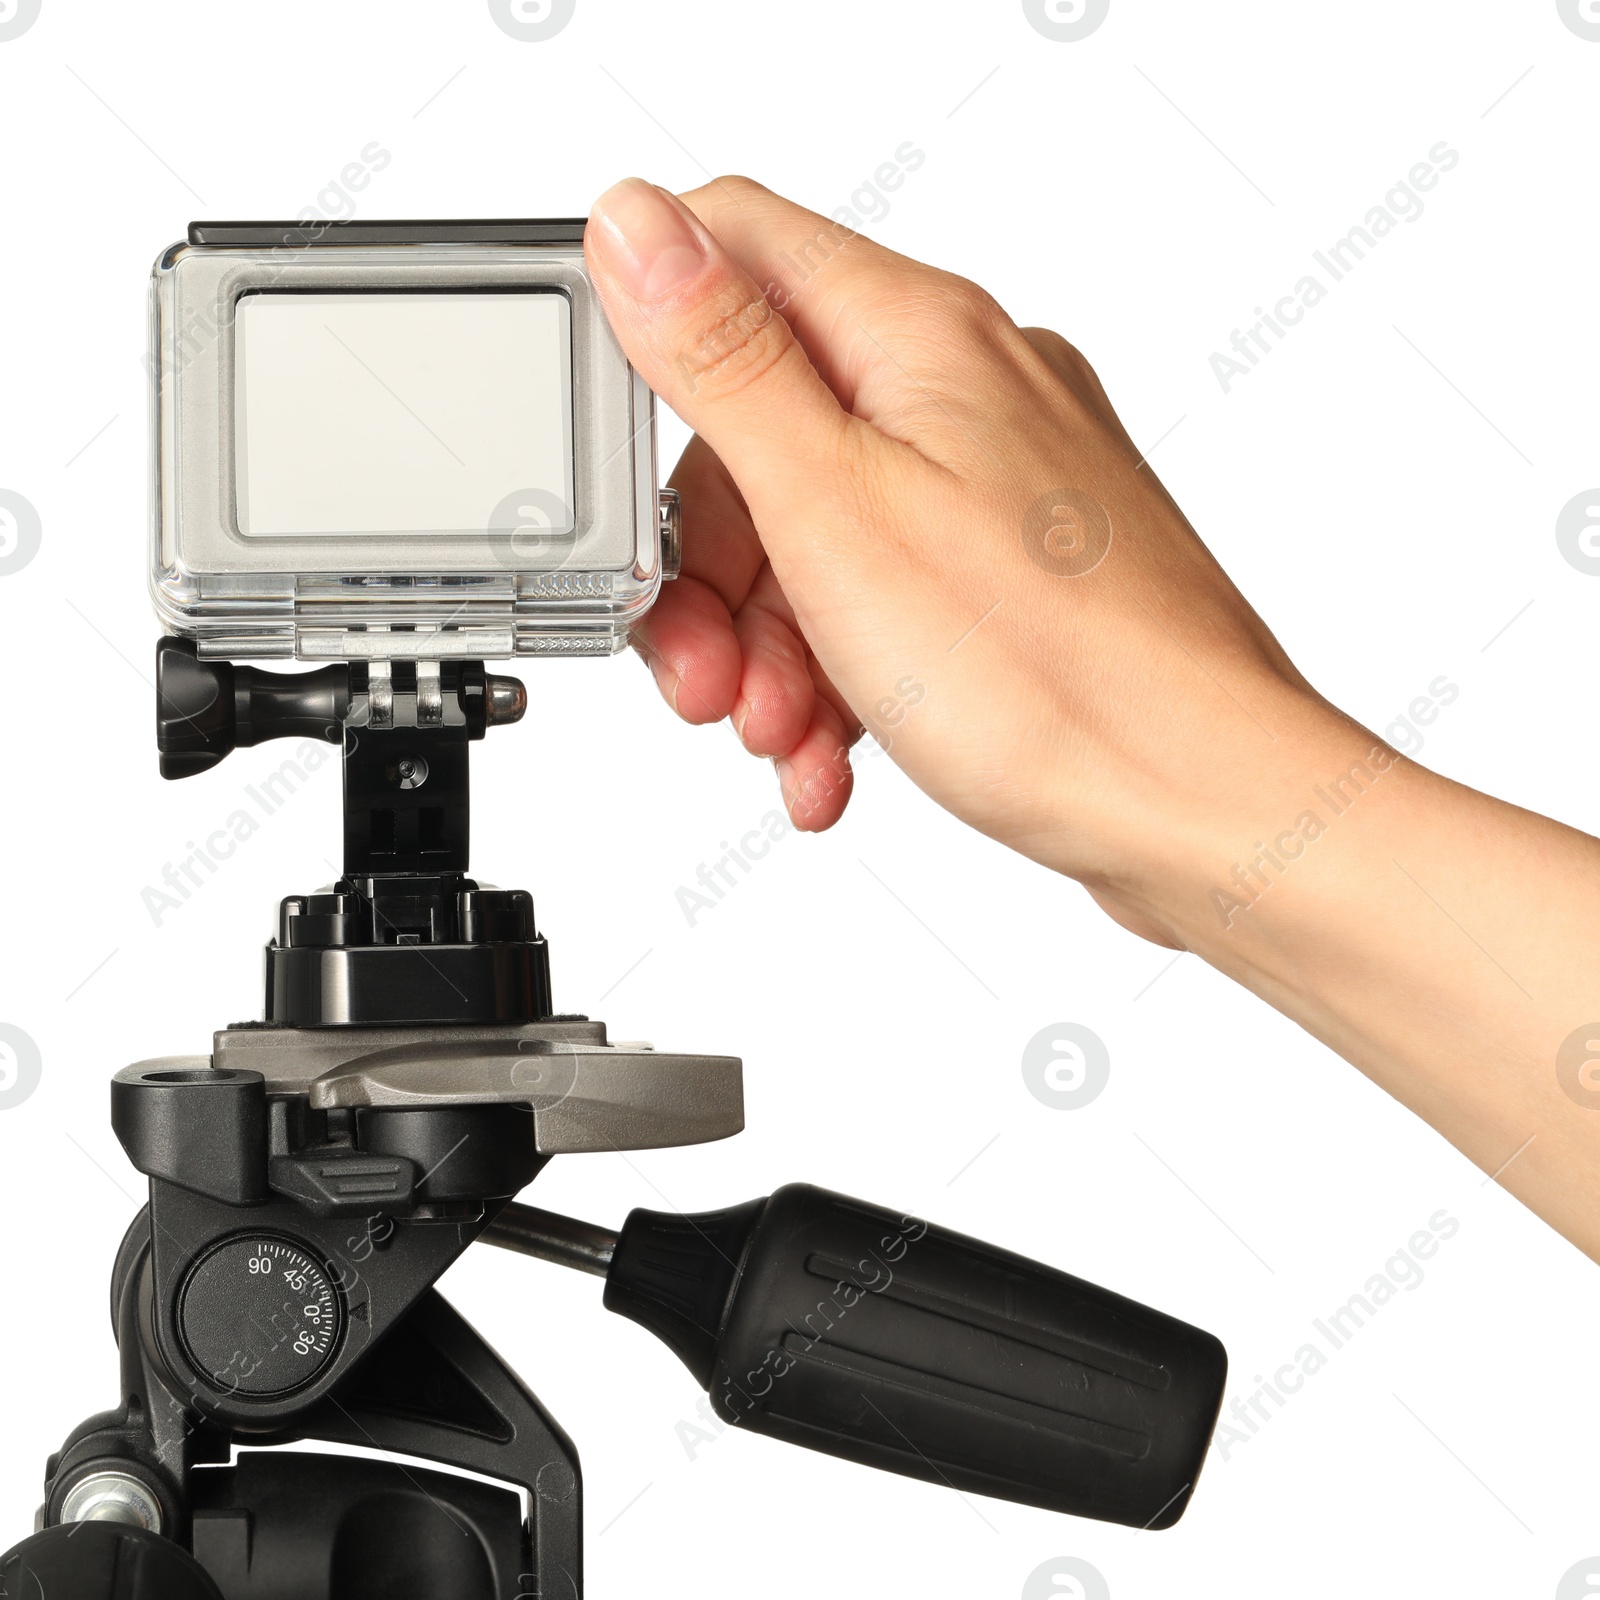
549	1237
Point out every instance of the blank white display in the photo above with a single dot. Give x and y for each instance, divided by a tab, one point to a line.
402	413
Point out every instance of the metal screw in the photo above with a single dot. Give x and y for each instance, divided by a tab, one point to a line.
112	1497
508	699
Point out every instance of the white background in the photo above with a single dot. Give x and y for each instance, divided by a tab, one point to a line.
1384	487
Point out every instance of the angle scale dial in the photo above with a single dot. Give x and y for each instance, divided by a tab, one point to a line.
259	1315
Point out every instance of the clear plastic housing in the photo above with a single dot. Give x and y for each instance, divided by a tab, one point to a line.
396	449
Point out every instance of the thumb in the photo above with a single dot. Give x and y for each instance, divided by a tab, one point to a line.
708	342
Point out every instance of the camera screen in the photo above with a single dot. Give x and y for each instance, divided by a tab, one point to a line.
433	413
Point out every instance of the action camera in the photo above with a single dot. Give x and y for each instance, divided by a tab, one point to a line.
379	440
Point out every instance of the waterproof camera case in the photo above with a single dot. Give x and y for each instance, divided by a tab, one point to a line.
397	441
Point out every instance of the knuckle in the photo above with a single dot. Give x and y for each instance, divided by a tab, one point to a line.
1080	364
731	190
739	342
737	183
1048	342
1061	353
974	309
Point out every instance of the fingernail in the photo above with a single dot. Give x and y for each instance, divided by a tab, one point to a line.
789	788
667	681
648	242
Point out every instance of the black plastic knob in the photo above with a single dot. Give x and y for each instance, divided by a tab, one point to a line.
206	709
102	1561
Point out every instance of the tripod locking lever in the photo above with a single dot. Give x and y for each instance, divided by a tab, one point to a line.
853	1330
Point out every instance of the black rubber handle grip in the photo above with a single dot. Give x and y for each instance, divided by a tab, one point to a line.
850	1329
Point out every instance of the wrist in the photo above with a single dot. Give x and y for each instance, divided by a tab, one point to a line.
1281	880
1261	817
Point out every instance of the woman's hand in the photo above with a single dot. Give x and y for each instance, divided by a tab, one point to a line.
902	512
906	513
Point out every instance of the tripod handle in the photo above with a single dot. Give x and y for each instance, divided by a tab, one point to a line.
852	1330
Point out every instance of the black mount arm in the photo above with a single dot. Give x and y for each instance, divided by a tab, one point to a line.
405	727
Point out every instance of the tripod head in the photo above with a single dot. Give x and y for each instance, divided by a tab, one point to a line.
312	1177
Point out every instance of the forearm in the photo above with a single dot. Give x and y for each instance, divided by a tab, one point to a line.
1445	943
